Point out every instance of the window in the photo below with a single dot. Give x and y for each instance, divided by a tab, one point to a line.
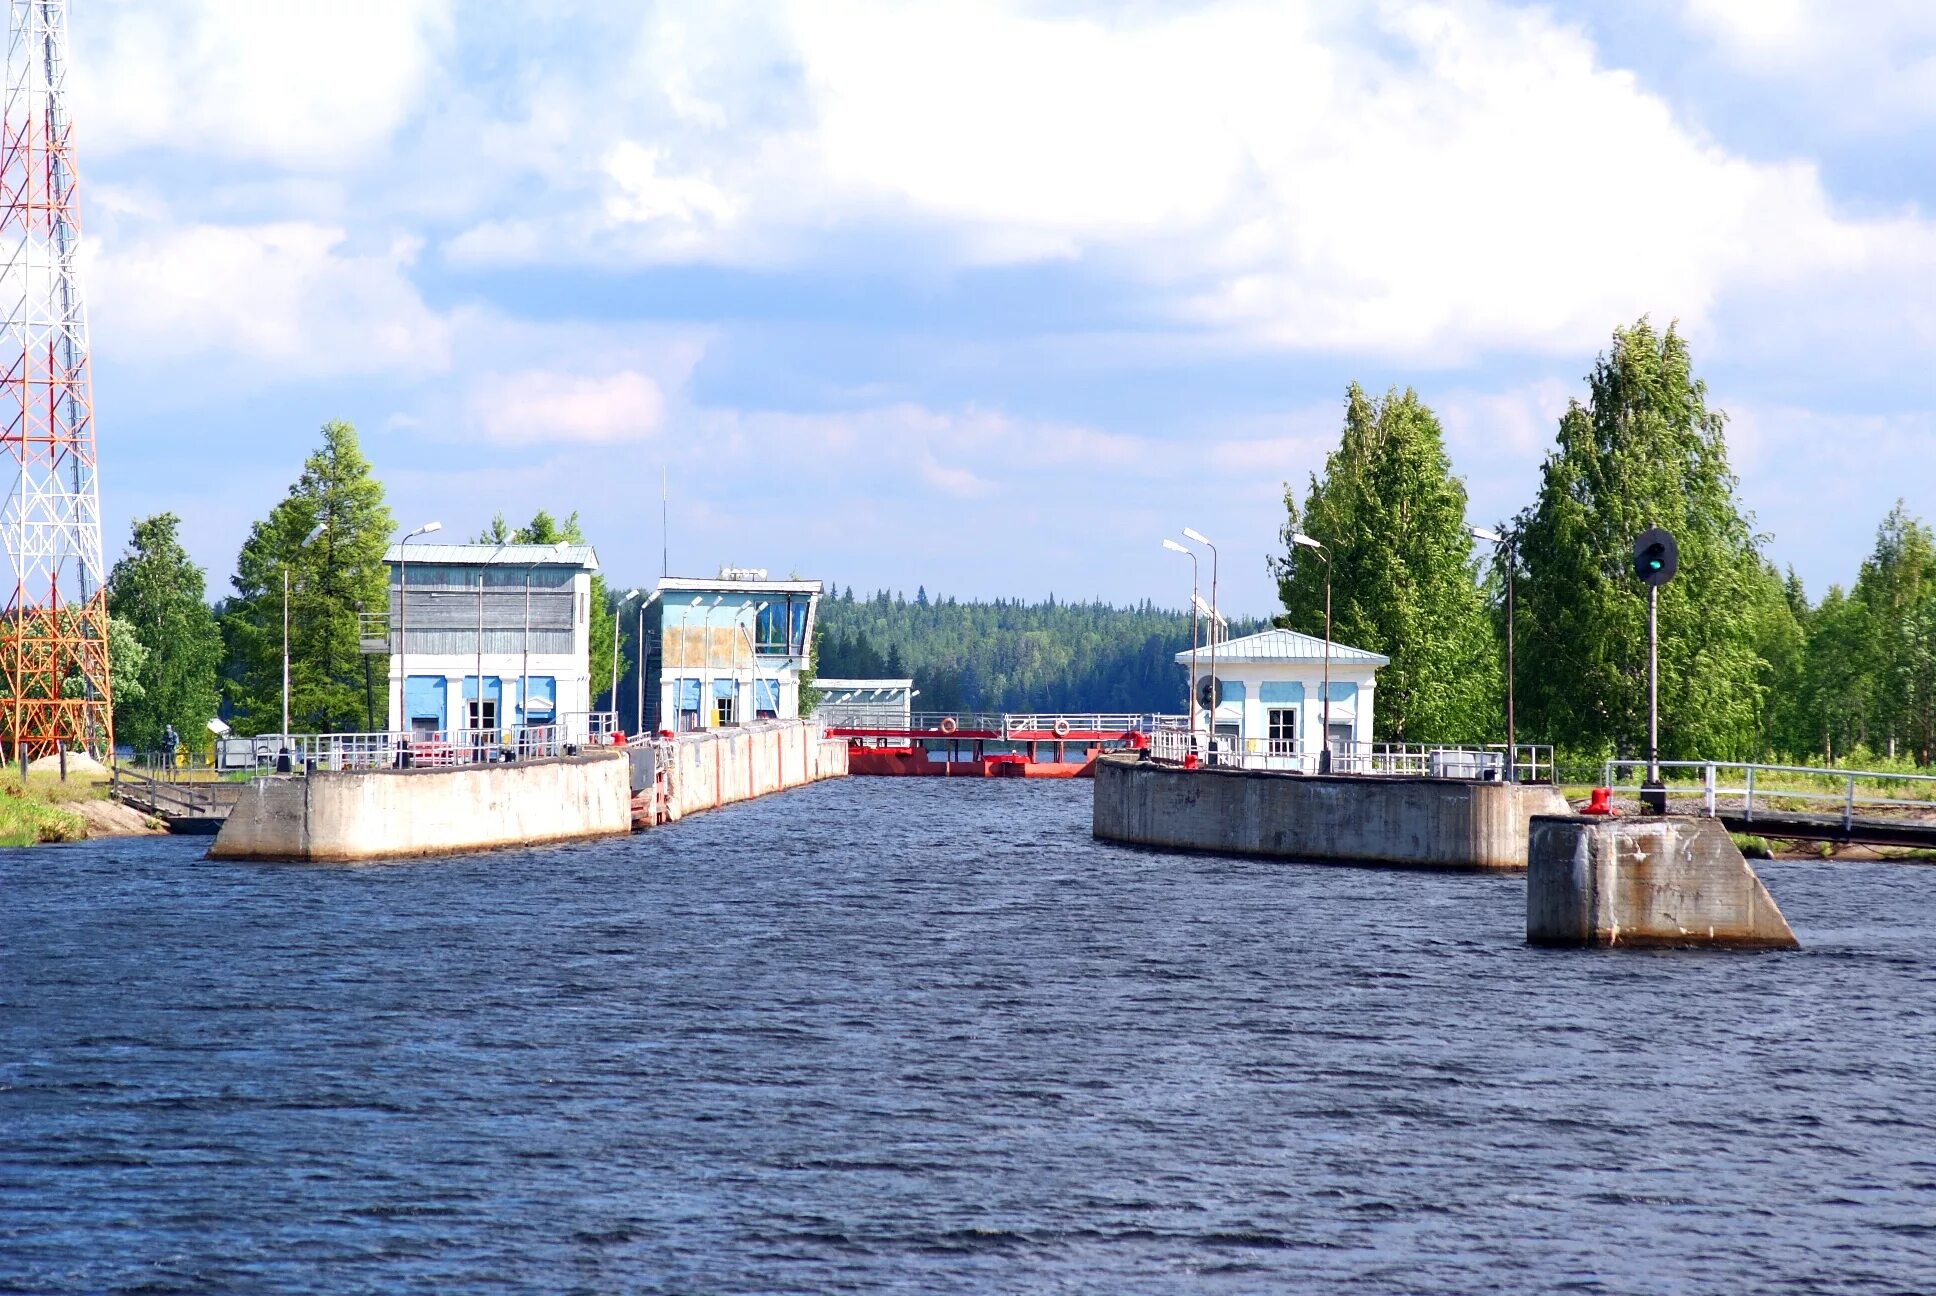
483	716
726	709
1283	731
782	627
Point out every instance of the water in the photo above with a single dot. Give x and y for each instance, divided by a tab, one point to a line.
914	1036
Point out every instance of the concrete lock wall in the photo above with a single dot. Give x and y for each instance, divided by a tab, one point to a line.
1365	818
722	766
390	813
1646	882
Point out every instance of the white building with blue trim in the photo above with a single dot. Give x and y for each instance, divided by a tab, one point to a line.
1269	691
728	650
488	639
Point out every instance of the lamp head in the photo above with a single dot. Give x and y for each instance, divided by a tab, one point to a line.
1490	537
1174	547
315	531
1301	539
428	527
1197	536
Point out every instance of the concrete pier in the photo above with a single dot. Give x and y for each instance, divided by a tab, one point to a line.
1646	882
720	766
1342	818
383	814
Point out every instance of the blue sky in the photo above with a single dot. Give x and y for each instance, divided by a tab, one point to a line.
983	296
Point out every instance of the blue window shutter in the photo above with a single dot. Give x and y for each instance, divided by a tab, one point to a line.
1344	692
1281	692
1233	691
766	694
688	695
725	688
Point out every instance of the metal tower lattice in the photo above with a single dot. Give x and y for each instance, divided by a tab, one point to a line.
54	634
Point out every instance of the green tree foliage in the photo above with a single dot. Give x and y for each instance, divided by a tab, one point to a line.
331	579
543	529
1644	450
1007	655
161	596
1404	581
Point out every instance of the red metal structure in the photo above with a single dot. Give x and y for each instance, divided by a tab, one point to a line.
951	746
54	635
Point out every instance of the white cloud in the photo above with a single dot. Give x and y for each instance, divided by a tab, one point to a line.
291	297
1436	181
288	82
546	408
1860	67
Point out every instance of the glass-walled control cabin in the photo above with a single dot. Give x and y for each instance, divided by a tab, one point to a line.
729	650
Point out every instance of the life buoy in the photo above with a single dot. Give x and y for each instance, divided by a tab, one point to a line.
949	724
1061	727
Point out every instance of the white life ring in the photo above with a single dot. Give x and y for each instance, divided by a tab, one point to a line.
949	724
1061	727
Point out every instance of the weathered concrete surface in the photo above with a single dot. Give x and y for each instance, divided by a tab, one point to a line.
1646	882
721	766
1347	818
389	813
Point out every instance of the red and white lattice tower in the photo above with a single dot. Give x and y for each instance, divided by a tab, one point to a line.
54	635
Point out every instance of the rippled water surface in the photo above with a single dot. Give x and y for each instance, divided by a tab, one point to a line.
901	1035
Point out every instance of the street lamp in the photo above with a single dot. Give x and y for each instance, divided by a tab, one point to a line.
1324	754
617	608
308	540
1191	704
403	621
638	643
1216	685
753	656
1512	561
524	677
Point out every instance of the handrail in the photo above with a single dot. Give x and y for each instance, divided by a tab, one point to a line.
1714	791
1530	762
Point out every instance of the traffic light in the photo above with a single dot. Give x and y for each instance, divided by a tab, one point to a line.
1655	557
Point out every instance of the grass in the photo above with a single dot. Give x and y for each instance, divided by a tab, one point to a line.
28	816
1752	847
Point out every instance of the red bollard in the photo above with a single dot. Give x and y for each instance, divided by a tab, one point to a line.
1601	803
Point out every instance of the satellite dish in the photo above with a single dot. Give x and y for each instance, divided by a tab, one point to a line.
1209	688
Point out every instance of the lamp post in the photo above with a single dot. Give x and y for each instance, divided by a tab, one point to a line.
706	631
753	657
1324	754
1191	704
524	668
617	608
638	644
1510	541
308	540
403	621
1216	685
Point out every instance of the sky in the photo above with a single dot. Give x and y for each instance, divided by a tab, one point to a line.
988	297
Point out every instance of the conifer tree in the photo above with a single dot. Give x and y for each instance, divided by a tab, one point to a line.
330	579
1404	581
1642	451
160	594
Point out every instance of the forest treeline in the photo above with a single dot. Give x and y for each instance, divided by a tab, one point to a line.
1750	668
1010	655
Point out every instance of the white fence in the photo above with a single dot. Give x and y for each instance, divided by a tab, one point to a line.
1531	763
265	753
1732	784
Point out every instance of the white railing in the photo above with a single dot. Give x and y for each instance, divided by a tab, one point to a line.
339	752
1085	722
1724	784
1531	763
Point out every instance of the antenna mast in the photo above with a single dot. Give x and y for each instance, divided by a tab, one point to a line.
54	635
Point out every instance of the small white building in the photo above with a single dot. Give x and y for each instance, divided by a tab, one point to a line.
488	639
866	703
729	650
1269	693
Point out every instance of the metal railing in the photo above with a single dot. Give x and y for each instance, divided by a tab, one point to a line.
1085	722
1531	762
342	752
1725	784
